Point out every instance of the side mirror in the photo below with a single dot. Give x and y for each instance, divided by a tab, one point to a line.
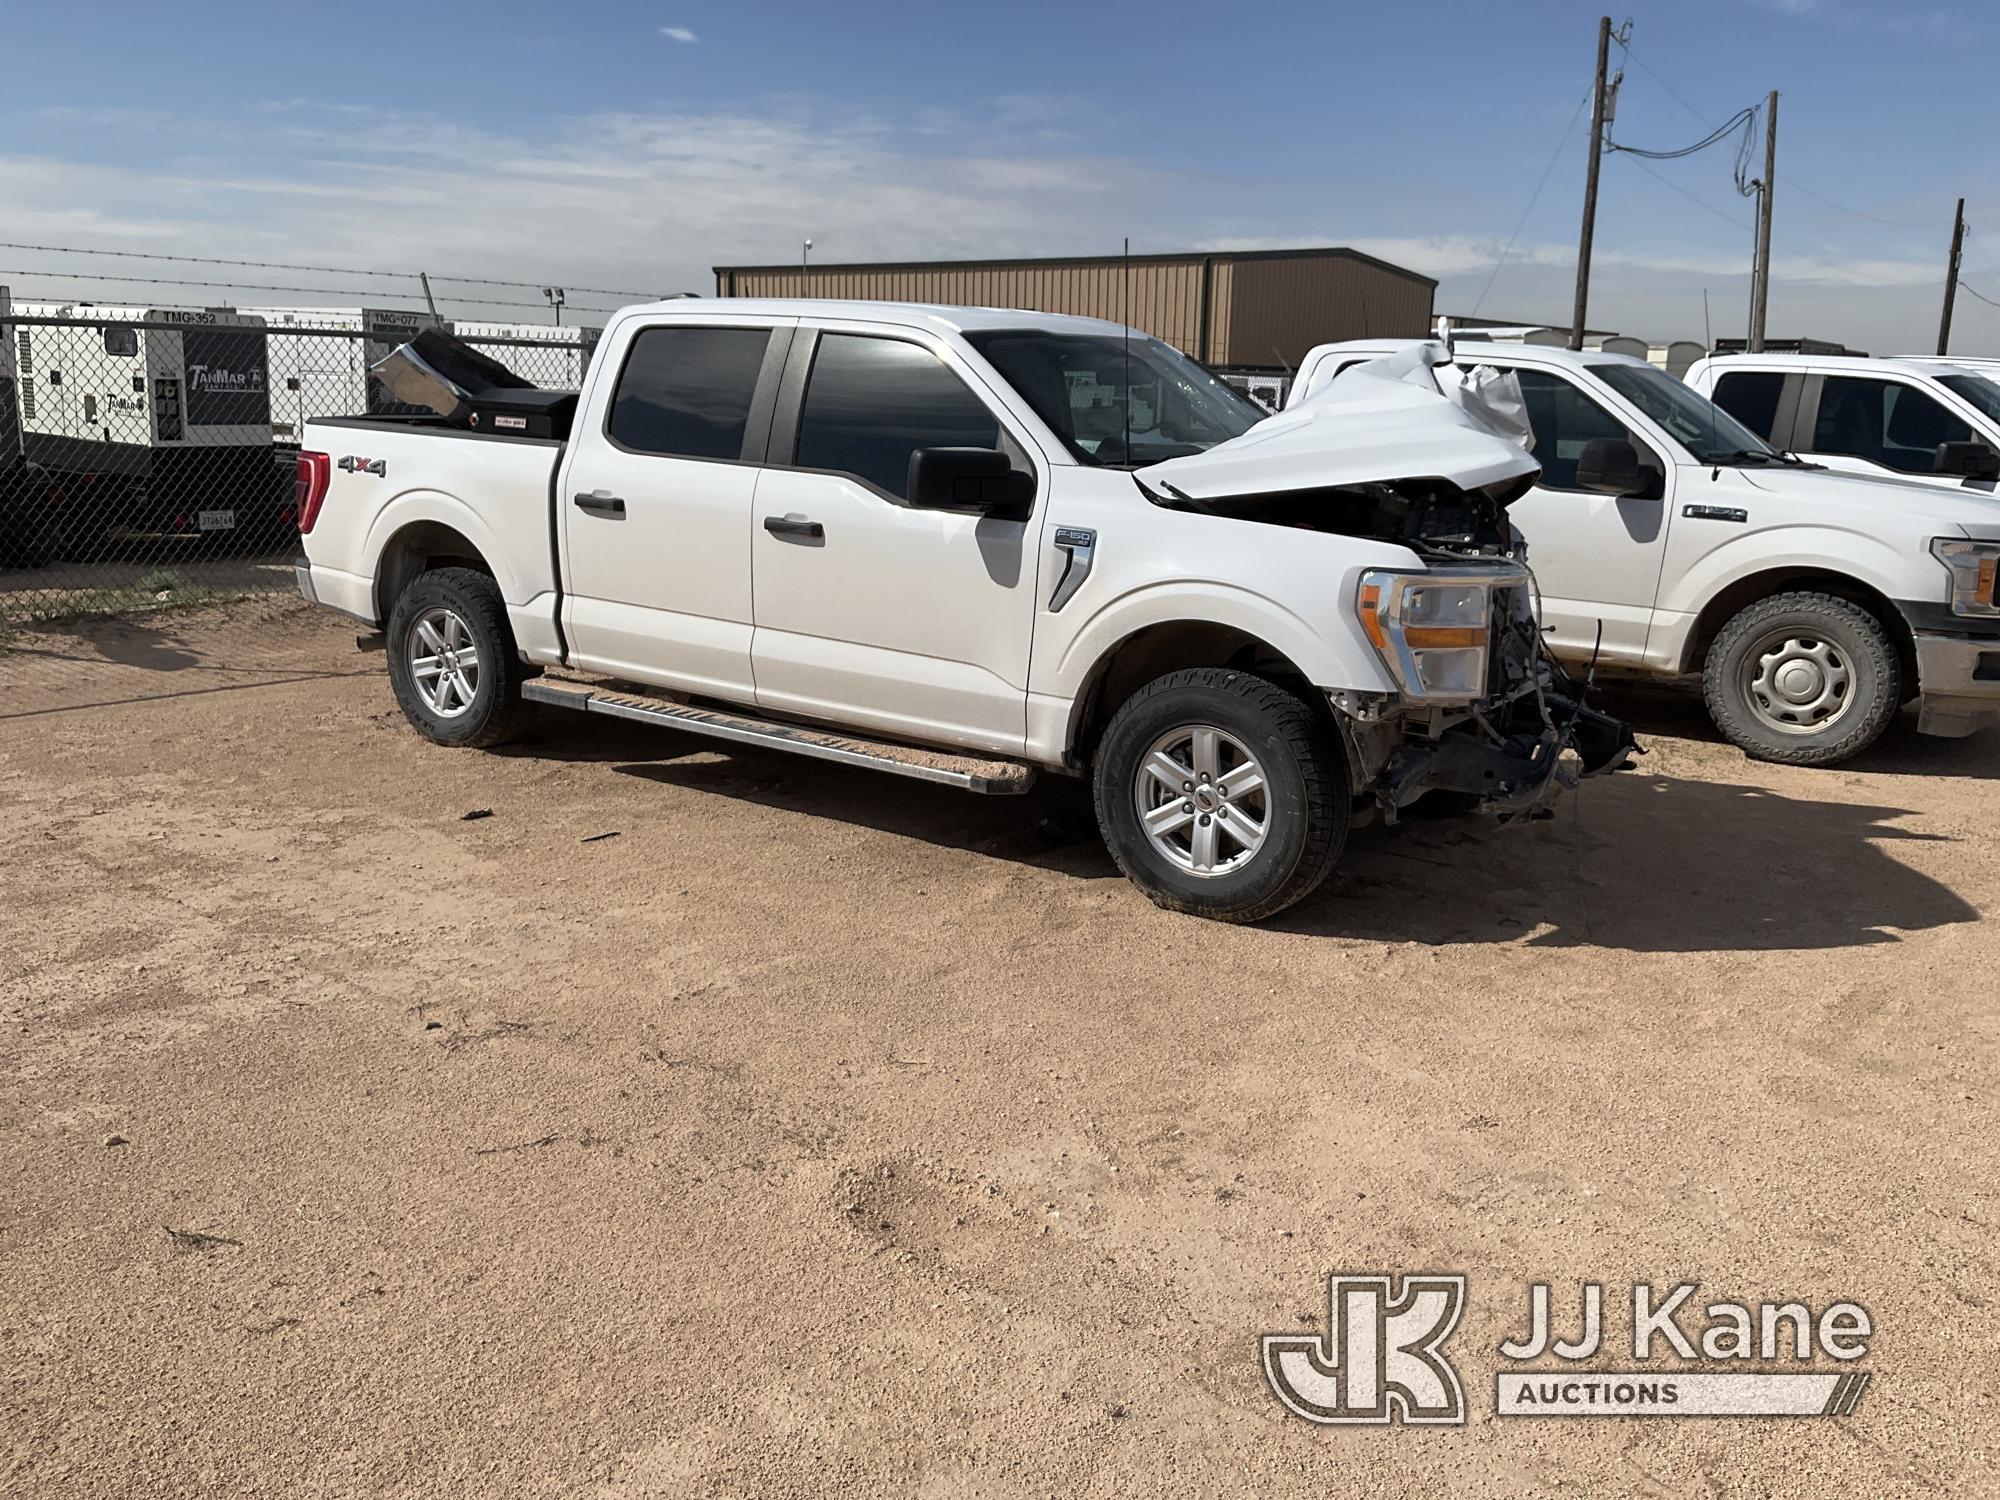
980	480
1967	460
1609	466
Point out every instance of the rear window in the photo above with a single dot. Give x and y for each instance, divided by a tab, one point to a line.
686	392
1751	396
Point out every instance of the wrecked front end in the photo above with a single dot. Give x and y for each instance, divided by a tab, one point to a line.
1485	716
1388	451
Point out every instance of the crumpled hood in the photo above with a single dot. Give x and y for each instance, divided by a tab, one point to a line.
1378	422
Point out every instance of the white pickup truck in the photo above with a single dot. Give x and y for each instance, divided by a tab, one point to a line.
1923	418
1666	538
993	542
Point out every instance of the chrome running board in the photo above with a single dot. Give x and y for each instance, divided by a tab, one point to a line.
993	778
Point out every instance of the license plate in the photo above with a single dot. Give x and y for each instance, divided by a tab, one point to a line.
215	520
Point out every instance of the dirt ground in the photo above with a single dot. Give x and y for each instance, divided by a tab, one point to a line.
827	1134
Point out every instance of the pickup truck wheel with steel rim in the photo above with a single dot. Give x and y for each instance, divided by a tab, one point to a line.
452	659
1219	794
1803	679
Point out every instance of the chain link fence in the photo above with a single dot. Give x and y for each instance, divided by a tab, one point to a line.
147	456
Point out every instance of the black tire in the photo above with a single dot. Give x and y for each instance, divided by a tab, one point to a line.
496	711
1305	807
1874	686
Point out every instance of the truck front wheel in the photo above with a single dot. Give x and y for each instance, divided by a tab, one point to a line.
1219	794
1803	679
452	659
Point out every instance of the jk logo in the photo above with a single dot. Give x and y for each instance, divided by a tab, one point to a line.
1379	1361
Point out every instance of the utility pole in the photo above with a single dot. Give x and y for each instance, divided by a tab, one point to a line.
1760	297
1951	276
1590	186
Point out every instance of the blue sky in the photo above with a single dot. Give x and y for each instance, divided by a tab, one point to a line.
630	146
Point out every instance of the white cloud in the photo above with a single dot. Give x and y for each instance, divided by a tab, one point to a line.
679	34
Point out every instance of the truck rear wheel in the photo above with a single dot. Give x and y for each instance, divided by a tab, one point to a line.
452	659
1220	795
1802	679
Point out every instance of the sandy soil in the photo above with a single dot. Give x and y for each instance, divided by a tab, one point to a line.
827	1134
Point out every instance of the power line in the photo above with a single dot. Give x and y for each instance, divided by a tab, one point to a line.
279	265
1854	276
1521	223
1674	94
1736	121
1975	293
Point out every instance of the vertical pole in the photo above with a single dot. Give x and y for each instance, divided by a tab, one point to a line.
1590	187
1951	277
1125	259
429	300
1760	302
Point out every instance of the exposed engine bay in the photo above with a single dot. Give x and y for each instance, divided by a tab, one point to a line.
1432	517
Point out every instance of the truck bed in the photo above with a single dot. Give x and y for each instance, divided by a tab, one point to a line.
484	495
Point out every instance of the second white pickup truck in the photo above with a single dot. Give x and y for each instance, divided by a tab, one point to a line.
993	542
1667	538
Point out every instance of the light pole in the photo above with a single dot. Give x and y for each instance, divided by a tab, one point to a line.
805	264
556	297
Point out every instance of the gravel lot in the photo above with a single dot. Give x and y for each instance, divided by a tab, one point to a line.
827	1134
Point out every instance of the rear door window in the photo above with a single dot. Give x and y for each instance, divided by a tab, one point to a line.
1751	396
686	392
1884	421
872	402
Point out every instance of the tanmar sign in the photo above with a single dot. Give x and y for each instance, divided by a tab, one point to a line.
1382	1357
227	373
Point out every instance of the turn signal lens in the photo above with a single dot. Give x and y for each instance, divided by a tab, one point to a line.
1370	605
1444	635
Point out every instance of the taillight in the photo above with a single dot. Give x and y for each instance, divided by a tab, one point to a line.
314	473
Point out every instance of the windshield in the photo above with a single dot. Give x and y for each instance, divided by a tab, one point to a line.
1692	420
1096	389
1977	389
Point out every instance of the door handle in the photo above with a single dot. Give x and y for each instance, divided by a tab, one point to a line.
600	504
797	526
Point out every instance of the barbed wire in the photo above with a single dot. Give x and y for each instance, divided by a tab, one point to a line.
279	265
257	286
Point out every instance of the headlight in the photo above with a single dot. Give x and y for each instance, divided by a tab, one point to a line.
1972	566
1432	630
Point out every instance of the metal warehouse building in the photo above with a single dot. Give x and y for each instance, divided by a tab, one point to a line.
1236	310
